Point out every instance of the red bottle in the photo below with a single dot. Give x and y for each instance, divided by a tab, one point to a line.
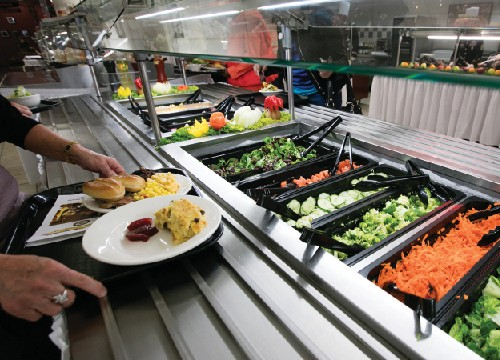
160	69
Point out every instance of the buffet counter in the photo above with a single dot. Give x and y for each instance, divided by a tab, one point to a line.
259	292
464	112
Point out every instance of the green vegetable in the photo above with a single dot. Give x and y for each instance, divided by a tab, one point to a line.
19	92
480	329
174	90
326	204
376	225
274	154
182	135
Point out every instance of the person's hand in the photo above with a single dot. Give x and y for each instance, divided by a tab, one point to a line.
29	283
87	159
22	109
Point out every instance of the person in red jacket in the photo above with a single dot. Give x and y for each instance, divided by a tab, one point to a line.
249	37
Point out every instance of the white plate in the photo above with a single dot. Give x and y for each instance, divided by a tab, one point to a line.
184	182
268	92
105	239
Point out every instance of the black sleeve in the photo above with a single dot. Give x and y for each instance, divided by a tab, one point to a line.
13	125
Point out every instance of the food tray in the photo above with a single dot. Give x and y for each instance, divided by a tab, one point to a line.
459	305
274	179
335	185
447	306
238	152
350	216
161	100
259	98
70	252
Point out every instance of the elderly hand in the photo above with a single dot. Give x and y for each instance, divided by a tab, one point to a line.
87	159
22	109
28	285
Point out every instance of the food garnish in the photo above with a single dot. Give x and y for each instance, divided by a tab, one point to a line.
19	92
217	120
268	87
141	230
272	106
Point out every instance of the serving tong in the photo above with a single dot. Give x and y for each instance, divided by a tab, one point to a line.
425	307
376	182
335	166
328	127
492	235
324	239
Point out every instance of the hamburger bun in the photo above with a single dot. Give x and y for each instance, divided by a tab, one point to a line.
105	189
132	183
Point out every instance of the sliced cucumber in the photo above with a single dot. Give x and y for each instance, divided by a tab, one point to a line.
294	205
337	200
325	204
308	206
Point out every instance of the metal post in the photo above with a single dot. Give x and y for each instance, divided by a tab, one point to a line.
146	88
286	38
398	54
182	65
96	83
457	44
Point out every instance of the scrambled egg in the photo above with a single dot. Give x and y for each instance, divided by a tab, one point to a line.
157	185
183	218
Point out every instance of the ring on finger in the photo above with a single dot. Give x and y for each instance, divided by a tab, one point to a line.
61	298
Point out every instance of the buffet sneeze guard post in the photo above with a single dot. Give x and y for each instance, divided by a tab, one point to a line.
141	61
286	38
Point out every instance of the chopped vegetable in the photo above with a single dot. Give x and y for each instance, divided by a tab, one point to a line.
269	87
183	135
325	203
480	329
174	90
322	175
430	271
272	106
182	87
376	224
217	120
274	154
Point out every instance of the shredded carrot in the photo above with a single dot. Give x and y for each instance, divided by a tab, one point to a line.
430	271
324	174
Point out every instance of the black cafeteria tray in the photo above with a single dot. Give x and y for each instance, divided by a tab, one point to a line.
447	304
237	152
44	105
462	306
259	98
70	252
275	178
335	185
350	216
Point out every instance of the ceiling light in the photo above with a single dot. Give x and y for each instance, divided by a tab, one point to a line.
164	12
294	4
464	37
204	16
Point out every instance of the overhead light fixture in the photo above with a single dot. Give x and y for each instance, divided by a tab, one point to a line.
164	12
204	16
294	4
464	37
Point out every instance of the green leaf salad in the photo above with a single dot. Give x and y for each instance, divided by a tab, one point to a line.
479	330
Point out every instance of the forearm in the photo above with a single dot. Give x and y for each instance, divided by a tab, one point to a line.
43	141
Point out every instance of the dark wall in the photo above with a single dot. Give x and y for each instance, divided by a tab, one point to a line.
14	43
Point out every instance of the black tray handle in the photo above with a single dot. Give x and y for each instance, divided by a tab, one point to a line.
423	306
323	239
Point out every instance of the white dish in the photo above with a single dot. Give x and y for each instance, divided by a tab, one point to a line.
105	239
269	93
184	182
29	101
